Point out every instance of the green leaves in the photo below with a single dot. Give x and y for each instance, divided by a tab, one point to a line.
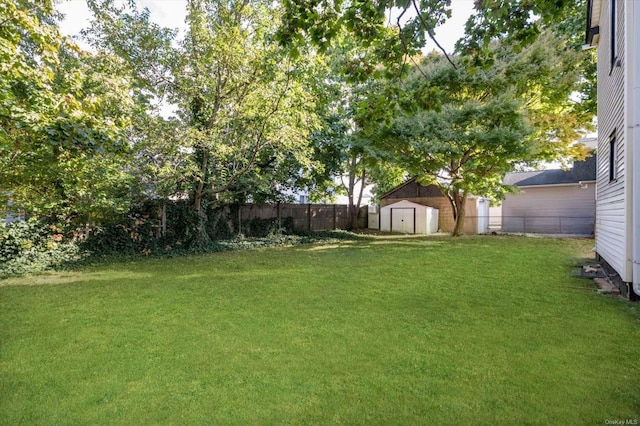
60	110
509	102
473	137
243	107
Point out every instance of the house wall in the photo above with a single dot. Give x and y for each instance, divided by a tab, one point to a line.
612	221
567	209
495	217
633	137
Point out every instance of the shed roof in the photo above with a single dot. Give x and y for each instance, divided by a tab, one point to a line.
407	203
582	171
413	189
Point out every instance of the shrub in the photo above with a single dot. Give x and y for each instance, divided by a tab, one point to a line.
261	228
33	246
133	234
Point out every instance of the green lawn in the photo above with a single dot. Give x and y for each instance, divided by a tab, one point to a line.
476	330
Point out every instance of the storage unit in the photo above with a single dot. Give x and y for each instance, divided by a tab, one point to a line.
409	218
432	196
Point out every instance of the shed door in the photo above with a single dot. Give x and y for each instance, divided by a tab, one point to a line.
403	219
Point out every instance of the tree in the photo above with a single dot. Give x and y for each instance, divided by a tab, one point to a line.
365	22
518	24
464	128
465	147
355	102
62	117
243	108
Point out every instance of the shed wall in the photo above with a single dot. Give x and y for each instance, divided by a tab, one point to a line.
424	219
445	212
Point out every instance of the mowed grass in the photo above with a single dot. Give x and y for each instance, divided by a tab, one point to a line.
477	330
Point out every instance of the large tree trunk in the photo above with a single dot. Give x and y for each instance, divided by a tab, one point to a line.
199	206
201	221
459	201
354	207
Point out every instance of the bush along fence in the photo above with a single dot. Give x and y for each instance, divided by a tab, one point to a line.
170	225
37	245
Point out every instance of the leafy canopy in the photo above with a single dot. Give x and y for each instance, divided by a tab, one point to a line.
63	114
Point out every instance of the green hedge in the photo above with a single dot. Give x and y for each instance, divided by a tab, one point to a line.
34	246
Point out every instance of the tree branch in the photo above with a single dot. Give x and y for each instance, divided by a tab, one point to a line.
257	147
431	35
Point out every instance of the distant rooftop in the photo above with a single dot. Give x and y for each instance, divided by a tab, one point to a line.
582	171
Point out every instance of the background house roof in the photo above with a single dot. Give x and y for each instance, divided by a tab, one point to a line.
411	189
582	171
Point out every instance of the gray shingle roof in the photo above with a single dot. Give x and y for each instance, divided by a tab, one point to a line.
582	171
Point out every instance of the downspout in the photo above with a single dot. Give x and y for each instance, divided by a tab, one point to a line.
633	8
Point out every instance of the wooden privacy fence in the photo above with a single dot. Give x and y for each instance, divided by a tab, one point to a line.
305	217
251	219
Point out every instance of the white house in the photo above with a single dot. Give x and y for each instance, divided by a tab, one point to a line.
613	27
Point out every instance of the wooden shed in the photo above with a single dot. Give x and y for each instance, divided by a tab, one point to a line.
409	218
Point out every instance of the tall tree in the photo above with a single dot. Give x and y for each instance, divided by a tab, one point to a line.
63	113
357	98
243	110
465	147
464	128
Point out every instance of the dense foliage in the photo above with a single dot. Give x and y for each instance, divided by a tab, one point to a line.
30	247
36	246
257	100
243	107
464	128
63	118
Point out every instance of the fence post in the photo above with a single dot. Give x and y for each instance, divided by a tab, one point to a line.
278	216
335	217
309	216
163	219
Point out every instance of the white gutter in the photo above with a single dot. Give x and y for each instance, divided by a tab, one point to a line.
633	10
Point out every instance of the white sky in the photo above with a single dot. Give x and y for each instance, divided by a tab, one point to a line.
171	14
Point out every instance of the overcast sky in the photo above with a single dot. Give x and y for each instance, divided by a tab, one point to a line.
171	13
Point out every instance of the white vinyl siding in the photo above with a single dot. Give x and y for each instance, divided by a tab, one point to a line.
550	209
611	212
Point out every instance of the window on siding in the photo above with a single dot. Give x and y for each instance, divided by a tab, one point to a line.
613	155
613	35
